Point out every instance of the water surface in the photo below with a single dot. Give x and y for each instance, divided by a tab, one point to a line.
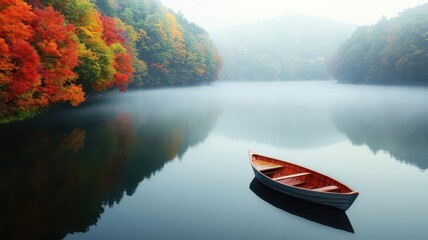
173	164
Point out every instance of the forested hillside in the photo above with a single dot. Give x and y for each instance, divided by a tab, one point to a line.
393	51
62	50
283	48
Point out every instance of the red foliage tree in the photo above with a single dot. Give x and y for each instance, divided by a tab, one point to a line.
58	49
35	3
25	75
15	17
19	61
124	71
111	34
38	52
6	64
114	38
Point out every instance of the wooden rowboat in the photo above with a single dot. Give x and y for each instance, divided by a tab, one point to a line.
300	182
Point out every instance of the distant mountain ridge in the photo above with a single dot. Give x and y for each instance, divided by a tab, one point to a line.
294	47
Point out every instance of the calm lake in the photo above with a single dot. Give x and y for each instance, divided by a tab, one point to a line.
173	164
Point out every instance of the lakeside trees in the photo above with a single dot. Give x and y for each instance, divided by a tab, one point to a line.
393	51
38	53
58	51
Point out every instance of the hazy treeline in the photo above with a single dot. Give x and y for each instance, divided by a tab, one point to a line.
61	51
393	51
283	48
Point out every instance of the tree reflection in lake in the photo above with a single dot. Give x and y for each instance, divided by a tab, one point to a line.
400	129
59	172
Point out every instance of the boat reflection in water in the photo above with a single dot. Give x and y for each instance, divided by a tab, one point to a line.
324	215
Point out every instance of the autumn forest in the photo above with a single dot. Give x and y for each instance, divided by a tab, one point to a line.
67	51
55	51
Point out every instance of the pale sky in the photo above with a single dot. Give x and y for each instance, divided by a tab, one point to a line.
218	14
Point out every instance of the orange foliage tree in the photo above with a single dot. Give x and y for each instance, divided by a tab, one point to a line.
38	54
58	46
19	61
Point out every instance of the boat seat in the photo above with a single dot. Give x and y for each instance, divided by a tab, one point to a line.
326	188
260	162
292	182
291	176
269	167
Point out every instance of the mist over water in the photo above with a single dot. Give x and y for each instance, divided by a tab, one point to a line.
306	115
173	163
